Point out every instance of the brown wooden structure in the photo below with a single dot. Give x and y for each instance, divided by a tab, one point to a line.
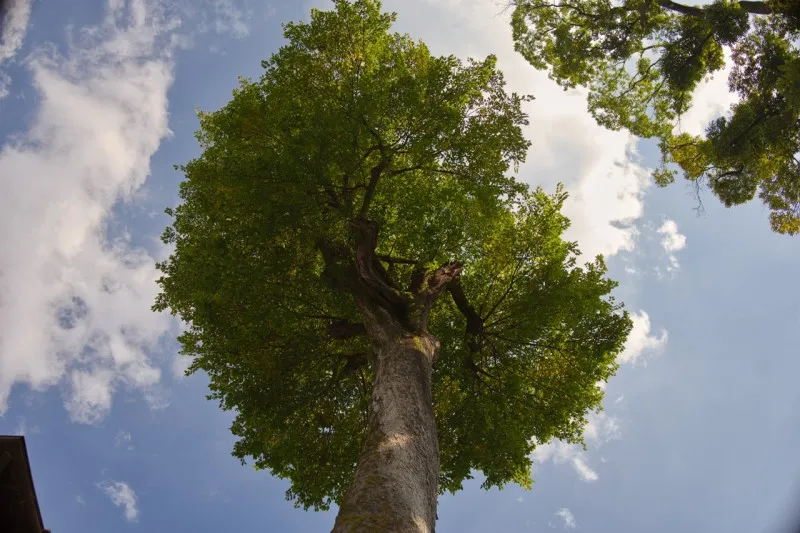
19	509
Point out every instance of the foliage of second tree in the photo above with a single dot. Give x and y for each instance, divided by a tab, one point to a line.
642	61
286	169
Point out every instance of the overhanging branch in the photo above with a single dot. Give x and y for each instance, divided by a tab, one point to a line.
681	8
755	8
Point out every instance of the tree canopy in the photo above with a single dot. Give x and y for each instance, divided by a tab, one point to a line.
353	126
642	60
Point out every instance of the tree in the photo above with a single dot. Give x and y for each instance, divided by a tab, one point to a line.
641	61
358	269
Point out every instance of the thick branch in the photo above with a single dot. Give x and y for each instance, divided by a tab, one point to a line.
426	286
344	329
680	8
755	8
372	275
374	176
437	280
474	328
474	321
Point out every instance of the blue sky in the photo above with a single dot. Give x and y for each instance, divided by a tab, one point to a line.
701	424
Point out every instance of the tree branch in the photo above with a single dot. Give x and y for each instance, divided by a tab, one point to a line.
372	275
426	286
755	8
509	288
341	329
374	176
682	9
437	280
474	321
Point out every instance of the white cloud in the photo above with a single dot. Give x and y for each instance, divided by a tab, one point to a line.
23	429
13	27
123	439
569	519
640	339
5	83
600	429
75	304
121	495
672	242
583	470
79	499
230	18
180	365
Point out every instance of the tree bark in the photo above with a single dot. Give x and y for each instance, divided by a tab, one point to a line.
395	486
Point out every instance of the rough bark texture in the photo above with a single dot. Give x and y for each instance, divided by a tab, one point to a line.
395	486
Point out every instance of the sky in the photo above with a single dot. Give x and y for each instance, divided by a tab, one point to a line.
701	424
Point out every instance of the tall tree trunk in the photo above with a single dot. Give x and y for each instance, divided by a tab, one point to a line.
395	486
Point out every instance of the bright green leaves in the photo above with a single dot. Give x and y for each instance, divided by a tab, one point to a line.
577	40
352	122
642	61
549	333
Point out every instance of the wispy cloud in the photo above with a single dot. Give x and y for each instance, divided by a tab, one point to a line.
672	242
641	339
231	18
568	518
23	428
583	470
14	17
123	496
123	440
228	18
